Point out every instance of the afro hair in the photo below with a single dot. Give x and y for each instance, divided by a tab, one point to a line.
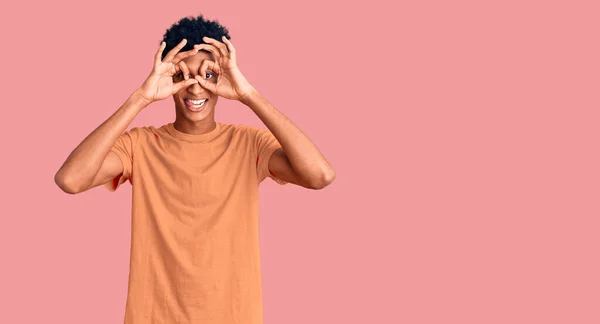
192	29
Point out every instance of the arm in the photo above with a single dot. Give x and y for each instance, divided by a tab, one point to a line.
299	161
81	170
92	163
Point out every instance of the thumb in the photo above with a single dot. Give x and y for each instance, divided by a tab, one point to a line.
206	85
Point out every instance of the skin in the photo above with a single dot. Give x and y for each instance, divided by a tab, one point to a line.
218	75
299	161
195	122
208	71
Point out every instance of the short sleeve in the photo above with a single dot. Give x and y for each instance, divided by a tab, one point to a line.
124	147
266	144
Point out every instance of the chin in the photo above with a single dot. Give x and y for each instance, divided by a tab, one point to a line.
196	115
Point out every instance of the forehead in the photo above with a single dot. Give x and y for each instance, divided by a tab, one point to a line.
193	62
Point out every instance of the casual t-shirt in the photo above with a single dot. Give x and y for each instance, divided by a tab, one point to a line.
194	241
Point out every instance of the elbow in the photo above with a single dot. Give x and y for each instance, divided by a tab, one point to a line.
64	185
325	179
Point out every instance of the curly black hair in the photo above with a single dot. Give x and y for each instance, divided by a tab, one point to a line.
192	29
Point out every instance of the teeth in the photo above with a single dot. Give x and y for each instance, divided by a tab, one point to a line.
196	102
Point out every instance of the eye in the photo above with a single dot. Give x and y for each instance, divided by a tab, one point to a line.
208	75
179	75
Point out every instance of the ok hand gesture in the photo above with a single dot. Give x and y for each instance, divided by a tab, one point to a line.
231	83
159	84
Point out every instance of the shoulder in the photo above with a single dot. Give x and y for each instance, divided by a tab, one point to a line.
253	131
241	130
141	130
240	127
142	134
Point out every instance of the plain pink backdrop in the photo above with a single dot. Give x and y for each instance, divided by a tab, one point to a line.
464	135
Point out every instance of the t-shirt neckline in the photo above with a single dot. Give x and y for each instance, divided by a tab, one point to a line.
194	138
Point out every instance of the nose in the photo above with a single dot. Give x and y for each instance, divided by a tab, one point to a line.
195	89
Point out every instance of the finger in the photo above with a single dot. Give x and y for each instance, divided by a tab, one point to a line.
217	70
183	84
214	67
211	66
183	55
212	87
205	66
158	54
211	48
222	48
230	48
184	69
174	51
175	69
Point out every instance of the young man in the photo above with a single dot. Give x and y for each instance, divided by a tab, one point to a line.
194	247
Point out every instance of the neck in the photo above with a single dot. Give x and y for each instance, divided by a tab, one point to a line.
195	127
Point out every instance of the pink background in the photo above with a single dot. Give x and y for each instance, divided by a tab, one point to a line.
464	136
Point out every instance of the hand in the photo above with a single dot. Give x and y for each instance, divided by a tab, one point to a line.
231	83
159	84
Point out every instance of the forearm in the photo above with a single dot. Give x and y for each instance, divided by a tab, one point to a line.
305	158
84	162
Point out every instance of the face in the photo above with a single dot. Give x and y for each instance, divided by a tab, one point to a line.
185	108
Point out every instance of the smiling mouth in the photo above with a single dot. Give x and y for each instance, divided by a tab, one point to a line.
195	104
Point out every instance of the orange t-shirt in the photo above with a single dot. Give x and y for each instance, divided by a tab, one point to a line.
194	241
